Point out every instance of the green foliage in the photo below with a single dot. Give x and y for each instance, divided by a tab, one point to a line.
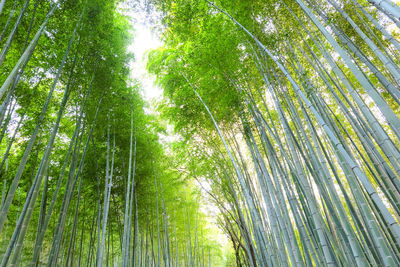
96	72
295	88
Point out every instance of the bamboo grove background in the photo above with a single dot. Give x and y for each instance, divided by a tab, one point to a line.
286	118
84	178
293	109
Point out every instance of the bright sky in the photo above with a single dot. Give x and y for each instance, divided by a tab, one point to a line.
144	40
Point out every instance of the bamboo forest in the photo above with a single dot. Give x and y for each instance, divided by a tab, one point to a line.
273	140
